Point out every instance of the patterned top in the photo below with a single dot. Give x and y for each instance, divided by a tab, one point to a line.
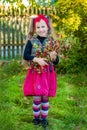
30	48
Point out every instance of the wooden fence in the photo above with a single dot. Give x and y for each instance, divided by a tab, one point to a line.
14	27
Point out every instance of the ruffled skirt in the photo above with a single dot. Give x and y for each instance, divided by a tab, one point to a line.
40	84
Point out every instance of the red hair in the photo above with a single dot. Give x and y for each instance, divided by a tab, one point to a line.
41	16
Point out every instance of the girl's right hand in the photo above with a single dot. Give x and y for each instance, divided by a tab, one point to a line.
40	61
53	55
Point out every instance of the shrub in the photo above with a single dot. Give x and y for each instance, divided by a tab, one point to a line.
75	60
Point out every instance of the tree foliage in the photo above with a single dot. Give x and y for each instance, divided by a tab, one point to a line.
12	1
33	2
72	19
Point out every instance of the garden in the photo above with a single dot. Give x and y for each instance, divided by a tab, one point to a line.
68	110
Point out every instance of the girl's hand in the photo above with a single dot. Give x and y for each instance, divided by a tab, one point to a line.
53	55
40	61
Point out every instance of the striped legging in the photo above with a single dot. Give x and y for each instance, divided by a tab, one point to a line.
40	106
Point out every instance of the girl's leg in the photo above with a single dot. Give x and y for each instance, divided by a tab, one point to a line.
36	106
45	107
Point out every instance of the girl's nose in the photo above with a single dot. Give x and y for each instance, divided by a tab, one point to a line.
41	29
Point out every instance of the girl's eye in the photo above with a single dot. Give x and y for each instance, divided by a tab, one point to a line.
38	27
42	26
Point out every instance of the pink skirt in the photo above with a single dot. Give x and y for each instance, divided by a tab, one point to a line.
40	84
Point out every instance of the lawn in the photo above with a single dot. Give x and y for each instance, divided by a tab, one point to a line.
68	110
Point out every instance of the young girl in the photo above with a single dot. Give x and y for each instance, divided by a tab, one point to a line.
40	81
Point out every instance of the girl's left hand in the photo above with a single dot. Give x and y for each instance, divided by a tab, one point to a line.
53	55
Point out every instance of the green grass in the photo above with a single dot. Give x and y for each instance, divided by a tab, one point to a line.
68	110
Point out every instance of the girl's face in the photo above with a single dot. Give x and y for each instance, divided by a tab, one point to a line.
42	28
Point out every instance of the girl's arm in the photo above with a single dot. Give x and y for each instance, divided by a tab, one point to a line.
27	51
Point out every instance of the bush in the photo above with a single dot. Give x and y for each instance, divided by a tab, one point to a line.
75	60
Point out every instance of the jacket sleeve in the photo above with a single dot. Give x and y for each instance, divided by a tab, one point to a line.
27	51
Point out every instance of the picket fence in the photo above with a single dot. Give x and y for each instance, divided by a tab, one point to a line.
14	24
